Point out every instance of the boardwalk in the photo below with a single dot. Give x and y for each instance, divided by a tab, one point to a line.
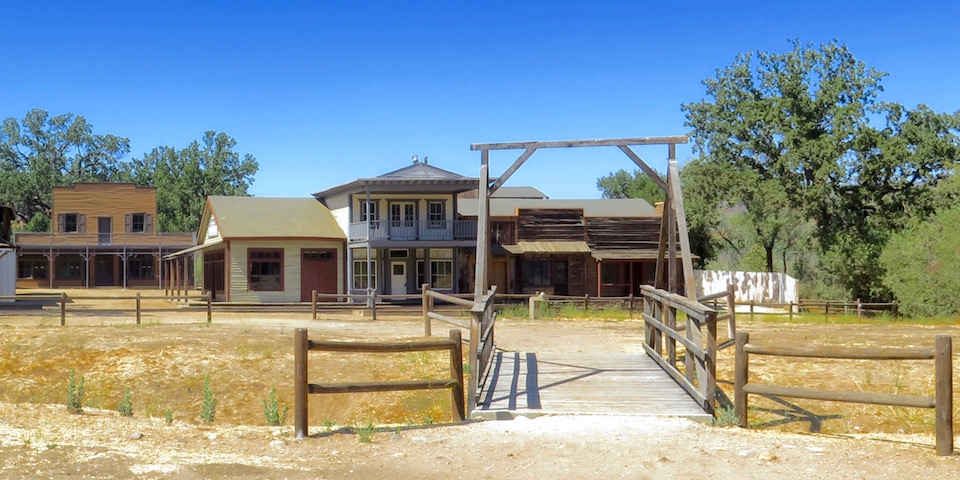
531	384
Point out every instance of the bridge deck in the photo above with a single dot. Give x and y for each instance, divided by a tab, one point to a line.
531	384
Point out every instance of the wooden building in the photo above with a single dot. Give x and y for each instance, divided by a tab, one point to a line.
104	235
403	227
601	247
8	256
266	250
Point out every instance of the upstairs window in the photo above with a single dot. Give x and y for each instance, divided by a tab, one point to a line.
369	208
71	223
138	223
435	214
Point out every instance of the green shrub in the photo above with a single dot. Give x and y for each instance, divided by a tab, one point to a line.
209	406
726	417
74	392
364	432
271	410
168	416
125	407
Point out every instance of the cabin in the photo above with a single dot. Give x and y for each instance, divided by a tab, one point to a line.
8	256
600	247
104	235
403	230
266	250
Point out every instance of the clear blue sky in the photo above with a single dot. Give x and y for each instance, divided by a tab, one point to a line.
325	92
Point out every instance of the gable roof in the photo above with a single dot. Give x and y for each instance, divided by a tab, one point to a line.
264	217
419	176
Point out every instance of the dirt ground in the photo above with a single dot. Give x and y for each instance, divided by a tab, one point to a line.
164	361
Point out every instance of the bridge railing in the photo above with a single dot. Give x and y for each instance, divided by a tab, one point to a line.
699	374
481	326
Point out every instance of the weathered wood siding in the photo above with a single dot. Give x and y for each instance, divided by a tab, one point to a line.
623	233
551	224
94	200
503	232
291	269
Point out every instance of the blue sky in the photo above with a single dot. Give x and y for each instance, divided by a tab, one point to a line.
325	92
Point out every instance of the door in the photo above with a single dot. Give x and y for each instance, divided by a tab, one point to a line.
103	268
104	230
402	221
318	271
498	276
398	278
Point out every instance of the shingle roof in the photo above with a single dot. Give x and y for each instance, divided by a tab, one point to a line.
417	177
262	217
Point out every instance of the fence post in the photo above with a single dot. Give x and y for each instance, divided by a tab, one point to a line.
944	398
63	308
586	302
138	308
456	371
300	344
751	310
313	303
630	308
790	316
894	307
731	311
859	309
710	384
826	311
209	308
425	308
373	304
741	370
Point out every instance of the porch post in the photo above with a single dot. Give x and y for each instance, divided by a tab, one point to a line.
366	208
50	270
427	277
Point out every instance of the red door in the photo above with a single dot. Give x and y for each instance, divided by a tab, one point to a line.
318	271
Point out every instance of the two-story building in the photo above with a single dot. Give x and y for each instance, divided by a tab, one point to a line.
104	234
403	230
8	255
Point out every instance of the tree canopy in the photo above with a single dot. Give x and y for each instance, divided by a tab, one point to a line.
43	151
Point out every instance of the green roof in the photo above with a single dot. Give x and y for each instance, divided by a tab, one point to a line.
264	217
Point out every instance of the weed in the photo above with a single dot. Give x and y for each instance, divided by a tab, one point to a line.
271	410
364	432
168	416
74	392
51	445
209	406
125	407
726	417
329	424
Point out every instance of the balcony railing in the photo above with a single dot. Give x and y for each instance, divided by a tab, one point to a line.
409	230
85	240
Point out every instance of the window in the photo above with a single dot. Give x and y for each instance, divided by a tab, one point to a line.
138	223
68	267
399	253
266	270
371	207
140	266
360	274
32	266
320	255
71	223
435	214
536	273
441	274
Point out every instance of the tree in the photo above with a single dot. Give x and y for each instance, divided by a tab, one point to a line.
41	152
184	178
638	185
794	130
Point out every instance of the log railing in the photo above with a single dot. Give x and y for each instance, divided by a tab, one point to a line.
302	387
135	303
941	354
699	374
730	316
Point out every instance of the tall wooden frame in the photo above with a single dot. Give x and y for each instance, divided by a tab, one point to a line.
673	223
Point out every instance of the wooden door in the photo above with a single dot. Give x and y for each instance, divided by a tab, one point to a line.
498	276
398	278
104	230
318	271
103	267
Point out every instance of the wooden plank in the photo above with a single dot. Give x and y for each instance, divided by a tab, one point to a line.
609	142
643	166
483	229
369	347
690	284
510	171
456	373
915	401
692	348
447	298
360	387
877	353
740	377
462	323
677	376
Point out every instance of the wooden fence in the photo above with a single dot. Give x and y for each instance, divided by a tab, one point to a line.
827	307
699	375
302	388
481	325
128	303
942	402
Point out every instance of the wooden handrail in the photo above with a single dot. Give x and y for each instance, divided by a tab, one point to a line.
841	352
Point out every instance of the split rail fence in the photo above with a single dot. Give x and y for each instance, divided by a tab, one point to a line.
302	387
127	303
941	402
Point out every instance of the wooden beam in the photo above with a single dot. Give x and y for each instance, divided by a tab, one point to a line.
607	142
643	166
483	229
690	285
661	271
513	168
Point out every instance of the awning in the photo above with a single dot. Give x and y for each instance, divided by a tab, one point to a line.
548	247
193	249
627	254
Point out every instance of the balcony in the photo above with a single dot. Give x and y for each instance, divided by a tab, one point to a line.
53	241
409	230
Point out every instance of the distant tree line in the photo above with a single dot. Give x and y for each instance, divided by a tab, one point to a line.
42	151
802	168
